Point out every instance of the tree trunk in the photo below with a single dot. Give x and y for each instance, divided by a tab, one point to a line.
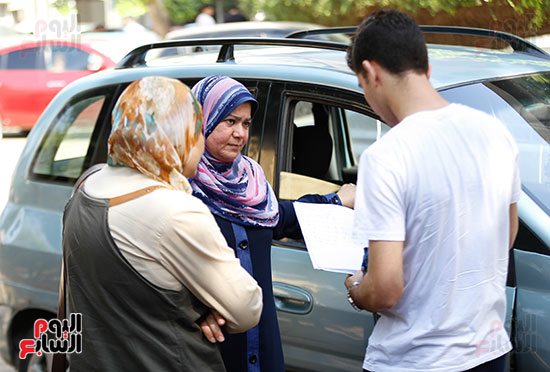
219	11
159	17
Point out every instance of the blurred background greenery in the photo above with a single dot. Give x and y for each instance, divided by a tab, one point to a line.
520	17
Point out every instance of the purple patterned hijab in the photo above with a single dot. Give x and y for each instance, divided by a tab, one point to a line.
237	191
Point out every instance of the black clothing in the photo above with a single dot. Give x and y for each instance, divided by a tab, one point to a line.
128	323
237	17
234	350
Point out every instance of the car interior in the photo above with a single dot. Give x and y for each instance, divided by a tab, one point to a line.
327	141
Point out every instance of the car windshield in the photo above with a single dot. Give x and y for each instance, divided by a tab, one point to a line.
529	96
523	105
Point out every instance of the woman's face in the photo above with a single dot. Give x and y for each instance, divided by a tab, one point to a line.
229	137
190	168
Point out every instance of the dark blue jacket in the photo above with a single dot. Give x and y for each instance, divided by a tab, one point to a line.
234	351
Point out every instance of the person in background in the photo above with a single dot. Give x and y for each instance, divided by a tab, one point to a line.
244	205
145	259
137	34
436	203
235	15
206	16
132	26
100	28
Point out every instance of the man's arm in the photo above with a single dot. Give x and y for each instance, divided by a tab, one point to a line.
514	223
382	286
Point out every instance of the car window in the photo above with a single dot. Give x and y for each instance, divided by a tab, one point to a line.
364	131
523	105
64	57
312	150
530	98
65	146
24	59
326	144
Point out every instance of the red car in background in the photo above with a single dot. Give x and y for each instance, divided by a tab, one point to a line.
31	74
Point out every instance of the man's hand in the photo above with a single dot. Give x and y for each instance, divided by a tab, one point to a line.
347	195
383	285
210	327
357	277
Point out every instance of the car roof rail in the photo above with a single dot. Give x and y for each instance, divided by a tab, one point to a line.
322	31
137	56
516	43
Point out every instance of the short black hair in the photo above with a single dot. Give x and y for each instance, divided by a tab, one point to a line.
393	40
207	6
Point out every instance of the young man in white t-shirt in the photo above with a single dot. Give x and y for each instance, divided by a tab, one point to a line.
206	16
436	204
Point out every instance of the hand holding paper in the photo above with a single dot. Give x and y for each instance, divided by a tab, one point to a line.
327	231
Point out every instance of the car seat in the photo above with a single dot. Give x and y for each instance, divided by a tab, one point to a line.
312	146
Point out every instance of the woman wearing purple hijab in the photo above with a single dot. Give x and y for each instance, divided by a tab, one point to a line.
244	205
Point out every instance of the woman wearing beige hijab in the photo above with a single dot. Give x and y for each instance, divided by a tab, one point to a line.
145	259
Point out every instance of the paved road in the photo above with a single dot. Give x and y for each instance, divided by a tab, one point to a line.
10	149
5	367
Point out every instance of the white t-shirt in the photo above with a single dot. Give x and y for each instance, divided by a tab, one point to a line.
442	181
204	19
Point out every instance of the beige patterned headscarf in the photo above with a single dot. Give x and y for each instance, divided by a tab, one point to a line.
156	123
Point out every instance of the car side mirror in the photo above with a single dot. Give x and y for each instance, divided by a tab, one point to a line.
96	63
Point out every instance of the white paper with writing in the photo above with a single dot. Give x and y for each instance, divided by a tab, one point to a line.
327	231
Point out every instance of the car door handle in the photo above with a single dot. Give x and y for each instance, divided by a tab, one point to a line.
291	299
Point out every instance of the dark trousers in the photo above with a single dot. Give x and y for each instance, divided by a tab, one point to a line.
495	365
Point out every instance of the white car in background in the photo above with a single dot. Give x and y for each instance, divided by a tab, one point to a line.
238	29
542	41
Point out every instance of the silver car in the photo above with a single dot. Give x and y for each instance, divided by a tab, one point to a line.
312	124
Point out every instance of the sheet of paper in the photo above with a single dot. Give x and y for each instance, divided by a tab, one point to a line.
327	231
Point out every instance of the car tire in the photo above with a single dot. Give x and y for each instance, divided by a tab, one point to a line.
33	362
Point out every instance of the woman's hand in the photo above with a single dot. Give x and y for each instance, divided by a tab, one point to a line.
347	195
210	327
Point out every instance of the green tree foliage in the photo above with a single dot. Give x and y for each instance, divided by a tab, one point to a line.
64	7
540	9
133	8
350	12
180	11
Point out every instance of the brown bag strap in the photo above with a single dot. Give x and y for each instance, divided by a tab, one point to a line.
134	195
118	199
